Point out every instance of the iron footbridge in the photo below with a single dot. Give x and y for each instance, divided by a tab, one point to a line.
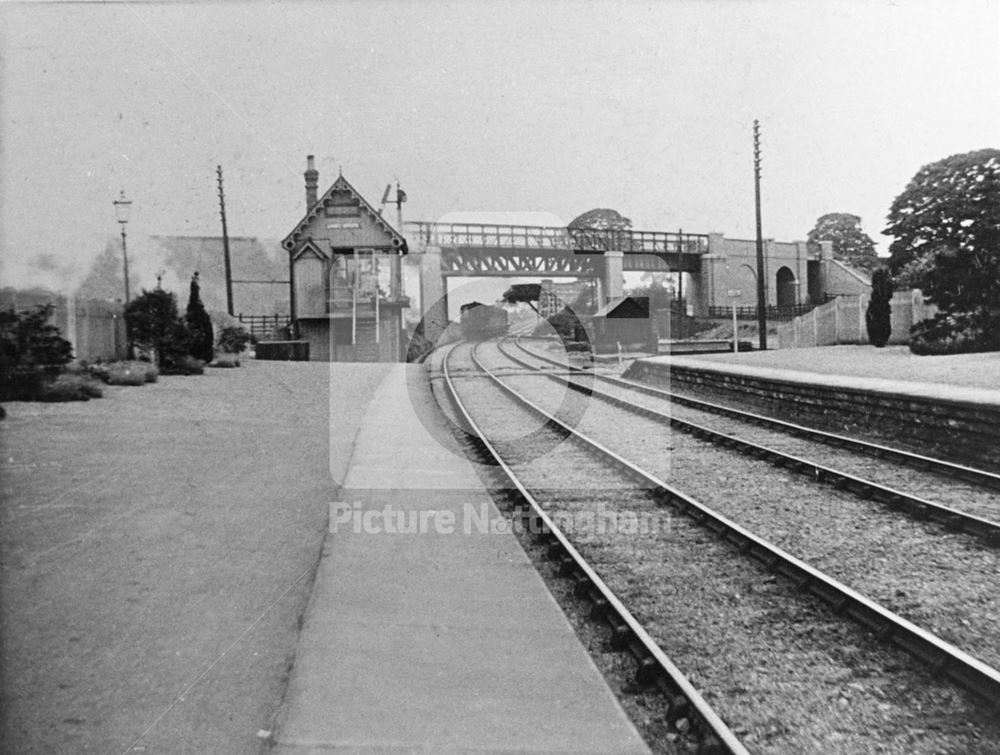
484	249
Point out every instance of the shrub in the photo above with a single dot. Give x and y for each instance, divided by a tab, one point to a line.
878	317
71	387
122	373
234	339
956	333
182	365
152	319
226	360
98	370
32	352
566	325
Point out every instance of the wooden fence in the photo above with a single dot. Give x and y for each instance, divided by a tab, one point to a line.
95	327
262	327
843	321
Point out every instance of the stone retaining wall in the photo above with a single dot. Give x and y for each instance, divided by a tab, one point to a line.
965	431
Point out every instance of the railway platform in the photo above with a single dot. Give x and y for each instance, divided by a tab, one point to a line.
948	401
428	628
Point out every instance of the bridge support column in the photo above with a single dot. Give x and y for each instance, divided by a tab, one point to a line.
613	280
433	294
705	284
826	255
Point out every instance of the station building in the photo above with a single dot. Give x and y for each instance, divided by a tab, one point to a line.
345	271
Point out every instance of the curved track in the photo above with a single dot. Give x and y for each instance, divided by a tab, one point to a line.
878	451
915	505
654	666
943	658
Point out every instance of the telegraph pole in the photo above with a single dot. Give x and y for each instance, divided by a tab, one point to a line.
761	289
225	244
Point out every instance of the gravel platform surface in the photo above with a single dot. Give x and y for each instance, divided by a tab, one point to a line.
889	363
785	672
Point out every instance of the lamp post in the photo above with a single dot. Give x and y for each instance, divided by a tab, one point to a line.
122	208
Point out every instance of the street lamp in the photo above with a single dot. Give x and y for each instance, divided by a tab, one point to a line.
122	208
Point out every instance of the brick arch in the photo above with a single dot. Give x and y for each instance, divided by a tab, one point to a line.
785	287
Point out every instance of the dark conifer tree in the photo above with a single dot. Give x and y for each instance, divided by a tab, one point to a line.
199	325
878	317
153	321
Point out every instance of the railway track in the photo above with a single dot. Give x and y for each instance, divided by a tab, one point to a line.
940	656
916	461
917	506
655	668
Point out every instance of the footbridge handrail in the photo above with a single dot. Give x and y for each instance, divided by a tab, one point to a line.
487	235
554	237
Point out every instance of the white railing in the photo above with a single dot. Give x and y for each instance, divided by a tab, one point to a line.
842	321
505	236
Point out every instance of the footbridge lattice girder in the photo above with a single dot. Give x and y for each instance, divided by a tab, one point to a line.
504	262
483	250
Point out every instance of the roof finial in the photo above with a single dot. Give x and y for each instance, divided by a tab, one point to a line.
340	170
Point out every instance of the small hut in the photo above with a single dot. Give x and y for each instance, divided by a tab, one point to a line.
625	320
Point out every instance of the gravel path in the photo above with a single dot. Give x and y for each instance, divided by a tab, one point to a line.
156	548
794	677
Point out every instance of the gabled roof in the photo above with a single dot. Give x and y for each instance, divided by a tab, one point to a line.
310	249
341	184
630	306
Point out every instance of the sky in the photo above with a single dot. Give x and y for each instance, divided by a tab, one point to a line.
644	107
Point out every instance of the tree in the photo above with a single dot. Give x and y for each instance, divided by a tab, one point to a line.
199	325
946	225
32	350
605	221
851	245
234	339
947	229
878	316
523	292
566	325
602	219
152	320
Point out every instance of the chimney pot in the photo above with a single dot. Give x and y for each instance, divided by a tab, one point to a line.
312	181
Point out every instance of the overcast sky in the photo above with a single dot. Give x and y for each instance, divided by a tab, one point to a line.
645	107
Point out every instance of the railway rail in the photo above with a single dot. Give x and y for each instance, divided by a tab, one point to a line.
941	657
875	450
684	701
913	505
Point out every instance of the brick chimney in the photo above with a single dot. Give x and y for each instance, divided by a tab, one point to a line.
312	181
